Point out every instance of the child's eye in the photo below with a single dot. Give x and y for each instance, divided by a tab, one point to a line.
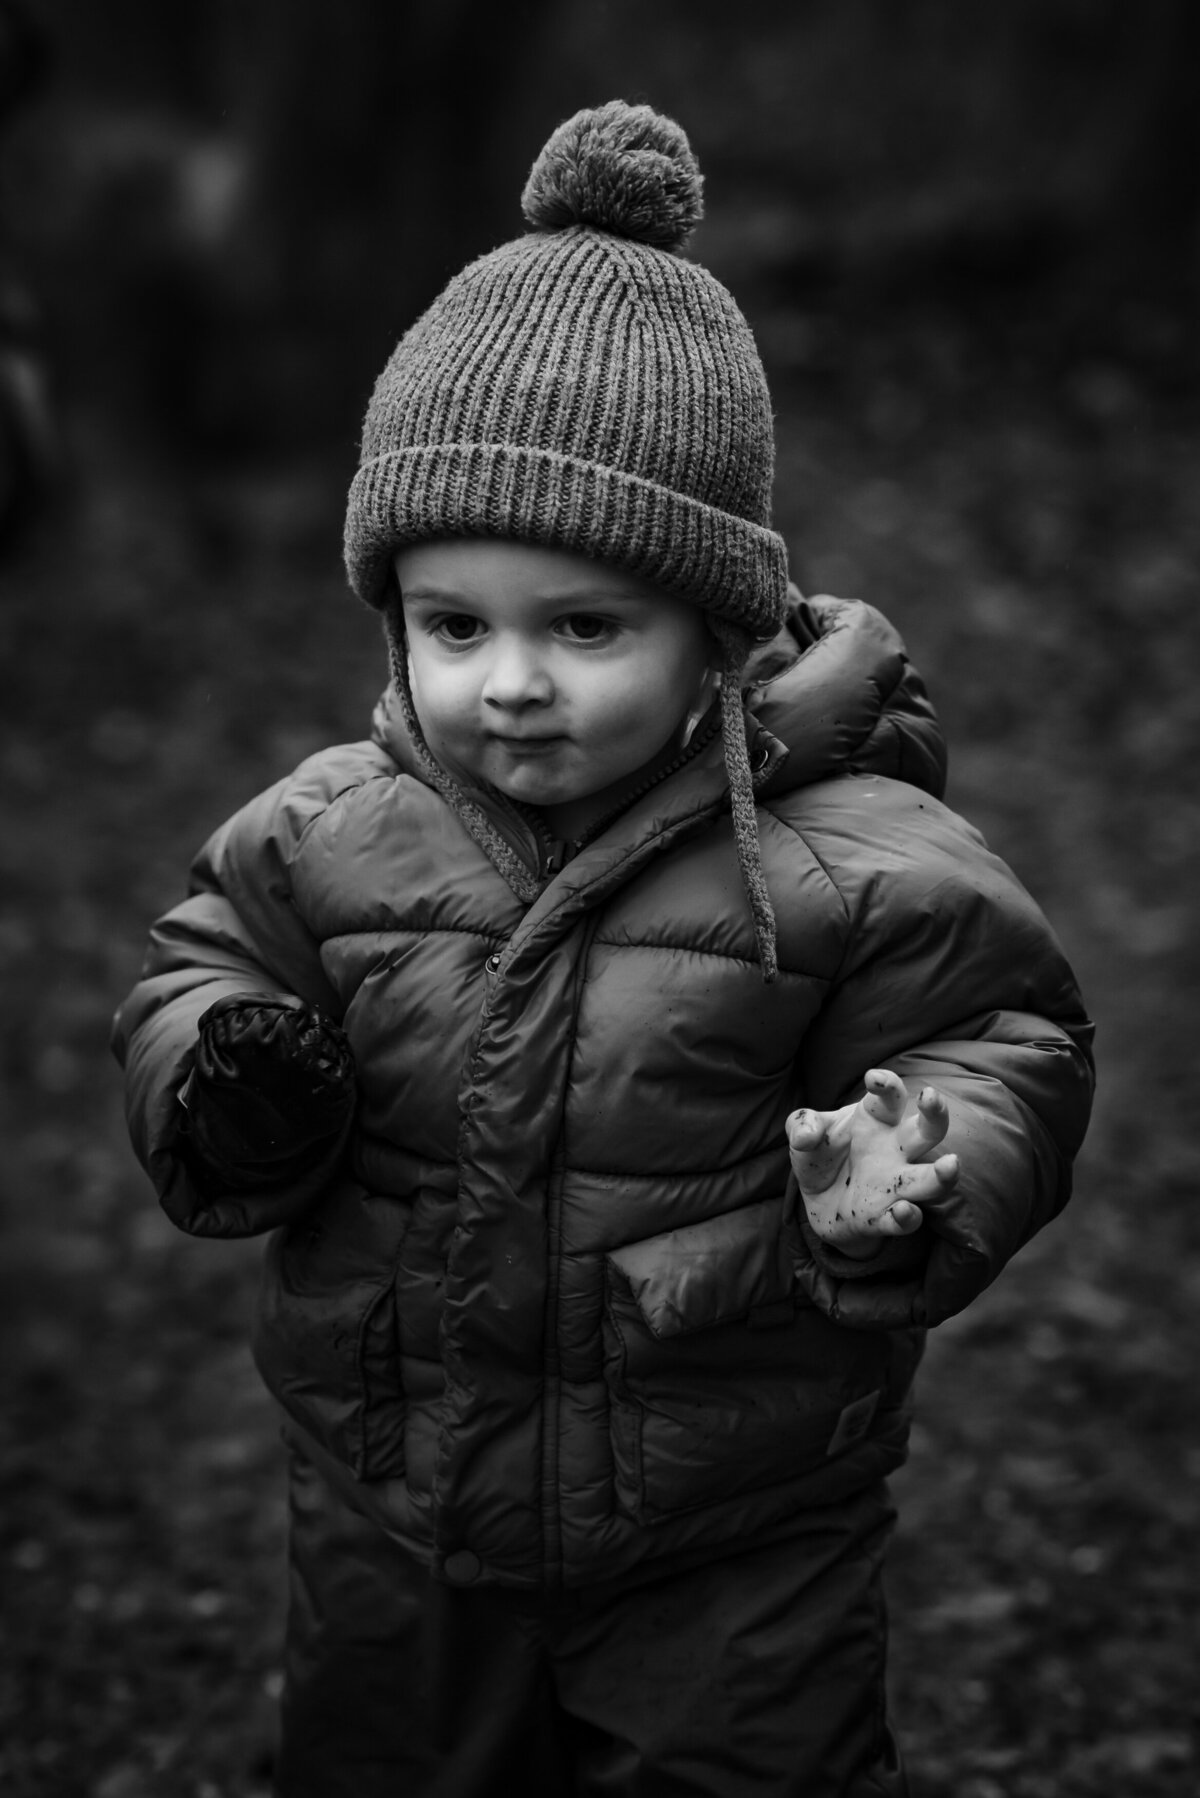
458	627
586	627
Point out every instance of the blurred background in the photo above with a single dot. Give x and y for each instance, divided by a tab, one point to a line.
968	239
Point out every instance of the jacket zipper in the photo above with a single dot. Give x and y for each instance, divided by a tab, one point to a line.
552	1383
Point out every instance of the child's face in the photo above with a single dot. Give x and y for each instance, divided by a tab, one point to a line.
549	675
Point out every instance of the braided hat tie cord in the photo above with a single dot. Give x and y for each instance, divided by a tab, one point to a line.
734	650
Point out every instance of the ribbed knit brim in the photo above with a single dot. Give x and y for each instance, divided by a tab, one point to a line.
724	564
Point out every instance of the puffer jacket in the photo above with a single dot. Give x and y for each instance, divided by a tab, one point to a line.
557	1311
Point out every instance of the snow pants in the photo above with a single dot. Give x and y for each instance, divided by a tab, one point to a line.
760	1672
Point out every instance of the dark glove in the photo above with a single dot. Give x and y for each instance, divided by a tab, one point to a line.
272	1089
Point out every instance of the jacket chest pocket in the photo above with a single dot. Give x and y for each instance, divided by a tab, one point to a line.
722	1379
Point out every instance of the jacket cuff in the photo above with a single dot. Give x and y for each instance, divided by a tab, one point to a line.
205	1202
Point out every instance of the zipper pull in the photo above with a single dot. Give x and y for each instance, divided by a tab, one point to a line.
556	857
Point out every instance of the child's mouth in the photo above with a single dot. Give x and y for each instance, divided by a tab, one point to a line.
528	745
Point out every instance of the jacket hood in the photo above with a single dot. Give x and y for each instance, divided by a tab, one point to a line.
837	690
833	692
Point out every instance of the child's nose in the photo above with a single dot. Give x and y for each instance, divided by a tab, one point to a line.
517	676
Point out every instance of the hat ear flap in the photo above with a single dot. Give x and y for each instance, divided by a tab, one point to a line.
735	645
473	818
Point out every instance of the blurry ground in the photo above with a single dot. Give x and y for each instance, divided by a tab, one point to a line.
1017	488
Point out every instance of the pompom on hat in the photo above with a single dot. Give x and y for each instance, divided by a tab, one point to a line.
623	169
588	388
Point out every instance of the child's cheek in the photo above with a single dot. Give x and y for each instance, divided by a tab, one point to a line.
443	697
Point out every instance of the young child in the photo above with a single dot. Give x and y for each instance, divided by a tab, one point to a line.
629	1051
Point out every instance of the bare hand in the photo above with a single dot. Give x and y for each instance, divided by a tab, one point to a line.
864	1171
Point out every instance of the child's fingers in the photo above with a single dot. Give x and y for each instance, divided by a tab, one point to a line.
806	1130
926	1126
817	1152
921	1184
901	1219
886	1097
928	1180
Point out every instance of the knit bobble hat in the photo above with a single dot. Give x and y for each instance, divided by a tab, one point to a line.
588	388
585	387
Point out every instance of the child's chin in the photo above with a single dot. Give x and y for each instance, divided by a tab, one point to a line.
533	791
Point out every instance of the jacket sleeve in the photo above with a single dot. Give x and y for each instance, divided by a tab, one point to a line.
238	931
951	976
